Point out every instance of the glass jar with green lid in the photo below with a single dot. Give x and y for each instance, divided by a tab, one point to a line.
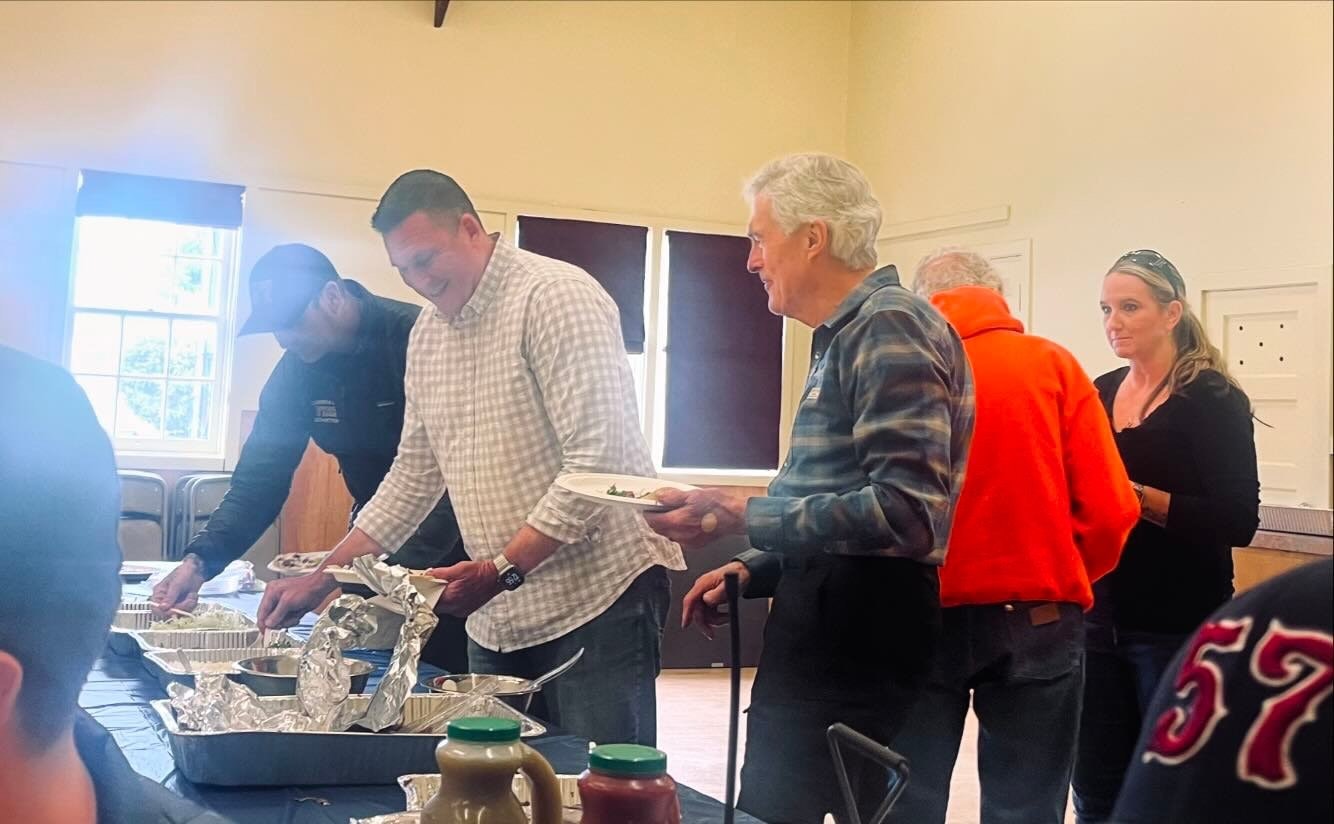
628	784
478	760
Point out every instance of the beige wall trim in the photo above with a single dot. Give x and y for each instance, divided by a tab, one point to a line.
945	223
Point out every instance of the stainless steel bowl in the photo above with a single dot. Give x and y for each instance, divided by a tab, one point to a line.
277	674
517	692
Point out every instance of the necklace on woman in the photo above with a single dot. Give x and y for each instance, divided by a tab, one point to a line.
1134	410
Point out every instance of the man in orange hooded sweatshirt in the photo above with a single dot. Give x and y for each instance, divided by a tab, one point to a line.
1044	511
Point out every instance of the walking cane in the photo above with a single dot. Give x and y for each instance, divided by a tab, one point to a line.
732	588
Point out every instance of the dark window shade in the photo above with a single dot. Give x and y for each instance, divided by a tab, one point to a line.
612	253
191	202
724	358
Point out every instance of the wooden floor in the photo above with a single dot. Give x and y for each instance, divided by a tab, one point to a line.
692	730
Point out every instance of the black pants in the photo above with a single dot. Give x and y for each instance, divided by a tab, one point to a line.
849	639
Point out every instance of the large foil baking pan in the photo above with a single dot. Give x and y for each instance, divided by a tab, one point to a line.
256	759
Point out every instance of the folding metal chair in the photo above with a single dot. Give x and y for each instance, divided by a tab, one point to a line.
841	737
143	516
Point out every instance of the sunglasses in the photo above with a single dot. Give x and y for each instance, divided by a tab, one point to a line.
1156	263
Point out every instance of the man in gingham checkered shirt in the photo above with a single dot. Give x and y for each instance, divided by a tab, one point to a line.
518	374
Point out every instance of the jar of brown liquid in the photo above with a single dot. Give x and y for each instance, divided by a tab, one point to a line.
628	784
477	762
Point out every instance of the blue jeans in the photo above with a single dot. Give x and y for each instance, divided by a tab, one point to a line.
609	696
1123	669
1022	665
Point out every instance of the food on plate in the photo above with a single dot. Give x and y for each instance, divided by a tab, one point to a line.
626	493
214	620
297	561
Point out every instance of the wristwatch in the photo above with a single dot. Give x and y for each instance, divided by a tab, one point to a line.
508	574
1139	492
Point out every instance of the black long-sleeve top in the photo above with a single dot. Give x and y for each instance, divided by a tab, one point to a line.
351	405
1199	446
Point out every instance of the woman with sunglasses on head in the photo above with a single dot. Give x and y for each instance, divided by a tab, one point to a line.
1184	430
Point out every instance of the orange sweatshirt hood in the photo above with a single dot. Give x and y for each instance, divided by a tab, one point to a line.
973	310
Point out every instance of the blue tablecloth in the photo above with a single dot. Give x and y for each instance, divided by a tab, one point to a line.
120	687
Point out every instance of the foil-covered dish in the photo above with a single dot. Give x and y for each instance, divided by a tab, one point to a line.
168	665
398	617
279	755
221	732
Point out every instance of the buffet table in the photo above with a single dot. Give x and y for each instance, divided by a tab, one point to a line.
117	695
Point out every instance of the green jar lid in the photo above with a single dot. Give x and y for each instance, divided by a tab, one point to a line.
627	760
485	730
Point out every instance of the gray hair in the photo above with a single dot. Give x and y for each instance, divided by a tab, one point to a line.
807	187
954	266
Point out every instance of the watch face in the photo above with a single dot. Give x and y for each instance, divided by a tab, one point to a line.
511	579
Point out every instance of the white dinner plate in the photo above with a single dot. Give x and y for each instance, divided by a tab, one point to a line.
596	486
419	578
132	573
297	563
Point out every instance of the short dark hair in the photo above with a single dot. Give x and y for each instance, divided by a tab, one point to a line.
59	515
421	190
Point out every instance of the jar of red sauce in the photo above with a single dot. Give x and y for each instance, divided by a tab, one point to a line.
628	784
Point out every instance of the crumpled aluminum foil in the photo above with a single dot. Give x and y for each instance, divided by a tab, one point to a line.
218	704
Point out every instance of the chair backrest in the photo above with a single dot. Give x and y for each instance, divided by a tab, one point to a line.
195	499
143	516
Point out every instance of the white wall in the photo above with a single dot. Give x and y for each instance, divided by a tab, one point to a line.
659	108
1200	129
641	108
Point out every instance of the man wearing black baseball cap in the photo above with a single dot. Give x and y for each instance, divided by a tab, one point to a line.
340	384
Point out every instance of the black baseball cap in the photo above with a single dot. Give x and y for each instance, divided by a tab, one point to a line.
283	282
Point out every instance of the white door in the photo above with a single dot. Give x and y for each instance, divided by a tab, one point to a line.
1013	262
1275	342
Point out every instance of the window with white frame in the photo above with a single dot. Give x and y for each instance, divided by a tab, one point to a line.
150	323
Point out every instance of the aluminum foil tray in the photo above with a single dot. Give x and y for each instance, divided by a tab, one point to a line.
165	665
266	759
130	633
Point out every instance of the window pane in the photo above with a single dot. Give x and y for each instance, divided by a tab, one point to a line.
614	254
102	395
194	345
199	241
724	355
194	286
139	409
95	344
122	264
144	351
188	410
